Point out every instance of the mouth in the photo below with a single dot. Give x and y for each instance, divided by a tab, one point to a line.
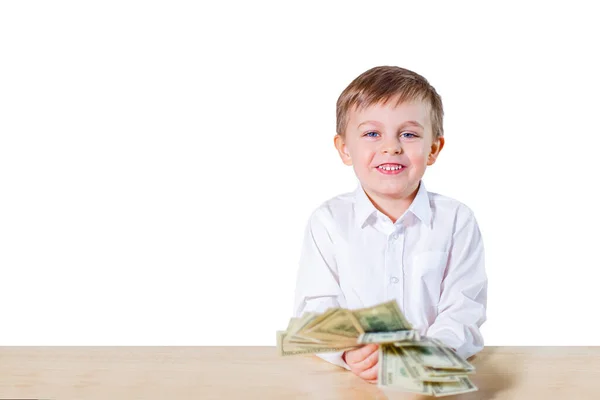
390	168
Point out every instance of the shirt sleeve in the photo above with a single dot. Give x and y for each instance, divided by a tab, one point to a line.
317	282
463	300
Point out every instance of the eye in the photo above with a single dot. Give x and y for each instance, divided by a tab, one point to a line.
409	135
368	134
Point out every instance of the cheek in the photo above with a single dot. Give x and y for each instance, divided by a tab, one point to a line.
364	155
417	155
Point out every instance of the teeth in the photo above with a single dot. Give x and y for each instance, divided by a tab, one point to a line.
388	168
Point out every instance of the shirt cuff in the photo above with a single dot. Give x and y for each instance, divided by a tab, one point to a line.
464	349
334	358
447	337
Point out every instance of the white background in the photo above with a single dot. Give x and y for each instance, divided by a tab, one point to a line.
159	160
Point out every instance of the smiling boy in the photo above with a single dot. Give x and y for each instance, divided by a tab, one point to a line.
390	238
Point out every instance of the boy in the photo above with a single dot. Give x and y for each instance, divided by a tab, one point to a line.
391	238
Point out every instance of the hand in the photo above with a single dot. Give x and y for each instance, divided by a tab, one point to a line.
364	361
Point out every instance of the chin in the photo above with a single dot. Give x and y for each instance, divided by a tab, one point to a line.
398	190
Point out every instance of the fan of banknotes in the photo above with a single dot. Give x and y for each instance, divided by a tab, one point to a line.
408	361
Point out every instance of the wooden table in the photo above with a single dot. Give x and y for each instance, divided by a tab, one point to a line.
112	373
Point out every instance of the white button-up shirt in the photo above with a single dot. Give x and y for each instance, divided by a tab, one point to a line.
431	261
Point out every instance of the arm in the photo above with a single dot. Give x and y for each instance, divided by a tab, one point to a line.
317	283
463	301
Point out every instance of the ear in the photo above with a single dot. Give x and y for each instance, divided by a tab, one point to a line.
342	149
436	147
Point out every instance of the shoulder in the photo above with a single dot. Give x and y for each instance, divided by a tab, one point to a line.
333	211
447	210
447	204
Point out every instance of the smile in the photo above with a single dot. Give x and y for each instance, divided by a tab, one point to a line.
391	169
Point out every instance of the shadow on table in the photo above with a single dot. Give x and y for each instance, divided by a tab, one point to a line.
490	380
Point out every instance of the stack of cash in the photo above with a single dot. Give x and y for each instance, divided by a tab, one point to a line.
408	361
426	366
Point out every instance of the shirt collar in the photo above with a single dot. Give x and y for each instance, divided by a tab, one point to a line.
420	207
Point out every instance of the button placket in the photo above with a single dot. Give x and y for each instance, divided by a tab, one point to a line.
389	249
394	268
389	262
400	268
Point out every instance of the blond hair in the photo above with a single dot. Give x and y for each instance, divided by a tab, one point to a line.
380	84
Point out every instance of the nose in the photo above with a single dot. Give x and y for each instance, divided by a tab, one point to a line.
391	146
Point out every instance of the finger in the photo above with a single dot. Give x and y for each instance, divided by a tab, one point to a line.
367	362
371	373
358	355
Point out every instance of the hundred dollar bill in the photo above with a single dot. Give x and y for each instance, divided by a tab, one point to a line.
299	325
340	325
431	356
447	372
295	325
292	328
317	319
464	385
433	353
388	337
395	373
297	337
384	317
416	370
287	349
420	373
421	341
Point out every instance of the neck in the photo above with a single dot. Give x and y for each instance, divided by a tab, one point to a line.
392	207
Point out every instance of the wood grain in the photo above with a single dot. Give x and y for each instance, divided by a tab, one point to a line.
78	373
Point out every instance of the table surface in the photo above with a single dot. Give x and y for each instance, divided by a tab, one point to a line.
149	373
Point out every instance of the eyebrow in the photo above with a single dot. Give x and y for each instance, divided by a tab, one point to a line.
405	123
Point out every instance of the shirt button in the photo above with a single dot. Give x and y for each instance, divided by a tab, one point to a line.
393	279
395	236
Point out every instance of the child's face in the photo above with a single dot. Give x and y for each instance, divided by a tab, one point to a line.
383	135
